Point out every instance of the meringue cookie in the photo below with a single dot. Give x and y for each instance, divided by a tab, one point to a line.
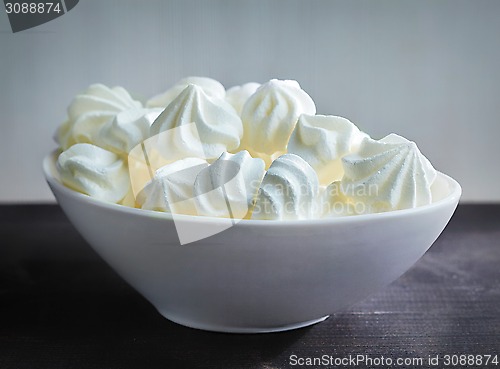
228	187
210	86
94	171
126	130
90	110
238	95
171	189
389	174
218	126
322	140
334	203
395	139
128	199
289	190
270	114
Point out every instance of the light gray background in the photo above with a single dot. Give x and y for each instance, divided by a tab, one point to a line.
429	70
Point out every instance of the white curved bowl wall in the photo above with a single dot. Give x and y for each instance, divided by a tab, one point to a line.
257	276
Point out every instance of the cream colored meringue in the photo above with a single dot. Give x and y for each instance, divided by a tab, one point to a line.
322	141
270	114
171	189
126	130
94	171
389	174
318	165
334	203
228	187
210	86
218	127
90	110
237	96
289	190
128	200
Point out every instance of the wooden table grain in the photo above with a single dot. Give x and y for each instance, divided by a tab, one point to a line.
61	306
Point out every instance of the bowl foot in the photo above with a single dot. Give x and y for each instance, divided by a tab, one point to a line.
235	329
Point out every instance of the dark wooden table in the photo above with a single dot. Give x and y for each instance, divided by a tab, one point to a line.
62	307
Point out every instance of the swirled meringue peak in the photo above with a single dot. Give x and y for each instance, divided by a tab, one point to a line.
127	129
227	188
94	171
288	191
270	114
238	95
218	126
322	141
388	174
252	152
171	189
210	86
90	110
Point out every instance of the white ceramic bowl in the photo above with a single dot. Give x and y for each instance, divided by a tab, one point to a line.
260	275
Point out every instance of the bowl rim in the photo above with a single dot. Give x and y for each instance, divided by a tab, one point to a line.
49	162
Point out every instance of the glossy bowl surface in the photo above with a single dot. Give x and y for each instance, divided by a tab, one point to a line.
258	275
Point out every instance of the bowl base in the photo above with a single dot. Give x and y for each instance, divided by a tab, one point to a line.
233	329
